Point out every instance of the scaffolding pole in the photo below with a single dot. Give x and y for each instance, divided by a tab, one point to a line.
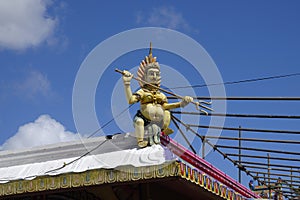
275	165
264	157
183	135
238	115
258	149
274	174
254	139
240	152
272	168
245	129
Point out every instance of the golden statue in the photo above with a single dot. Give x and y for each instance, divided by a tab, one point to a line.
154	115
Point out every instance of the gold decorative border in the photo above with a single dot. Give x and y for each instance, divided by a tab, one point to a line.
208	183
120	174
87	178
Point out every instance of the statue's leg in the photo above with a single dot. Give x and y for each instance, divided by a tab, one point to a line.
139	132
150	134
156	131
167	119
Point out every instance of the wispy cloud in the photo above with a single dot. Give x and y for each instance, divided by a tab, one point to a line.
25	24
44	130
34	84
163	16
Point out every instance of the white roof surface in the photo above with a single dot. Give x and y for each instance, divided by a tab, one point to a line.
62	158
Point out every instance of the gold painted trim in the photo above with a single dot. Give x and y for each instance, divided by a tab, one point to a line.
89	178
118	175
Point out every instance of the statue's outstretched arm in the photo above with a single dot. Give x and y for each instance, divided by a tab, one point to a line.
185	101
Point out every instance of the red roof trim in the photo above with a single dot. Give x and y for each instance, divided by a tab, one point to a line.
206	167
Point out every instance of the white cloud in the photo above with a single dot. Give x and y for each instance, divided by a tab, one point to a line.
24	23
44	130
34	84
163	16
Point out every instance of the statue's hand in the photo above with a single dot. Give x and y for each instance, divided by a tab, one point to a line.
127	76
186	100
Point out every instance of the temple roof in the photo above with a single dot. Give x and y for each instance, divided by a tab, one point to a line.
78	156
112	159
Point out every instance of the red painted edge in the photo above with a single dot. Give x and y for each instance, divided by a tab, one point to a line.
206	167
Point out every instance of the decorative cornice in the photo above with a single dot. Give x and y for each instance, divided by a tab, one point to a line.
121	174
89	178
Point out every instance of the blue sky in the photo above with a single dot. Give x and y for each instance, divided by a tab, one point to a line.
43	44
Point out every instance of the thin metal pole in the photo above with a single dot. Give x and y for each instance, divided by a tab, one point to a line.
163	90
183	135
269	176
251	98
189	128
238	115
264	164
245	129
291	176
245	98
240	152
284	180
255	139
274	174
265	168
264	157
213	146
258	149
203	148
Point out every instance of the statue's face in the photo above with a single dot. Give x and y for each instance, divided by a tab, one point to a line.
152	76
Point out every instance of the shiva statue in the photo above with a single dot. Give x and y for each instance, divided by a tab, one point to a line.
154	114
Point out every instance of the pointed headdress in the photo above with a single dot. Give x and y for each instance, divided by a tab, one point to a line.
148	63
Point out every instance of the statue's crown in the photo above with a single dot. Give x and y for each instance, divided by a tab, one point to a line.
149	59
147	63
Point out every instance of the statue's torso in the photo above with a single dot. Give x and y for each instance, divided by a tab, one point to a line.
152	104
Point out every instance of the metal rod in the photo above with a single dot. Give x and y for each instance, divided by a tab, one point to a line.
240	152
189	128
254	139
205	167
239	165
272	168
161	89
258	149
240	81
239	115
273	178
273	174
286	187
284	182
293	176
264	157
152	85
245	129
183	135
203	148
269	175
245	98
275	165
215	147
